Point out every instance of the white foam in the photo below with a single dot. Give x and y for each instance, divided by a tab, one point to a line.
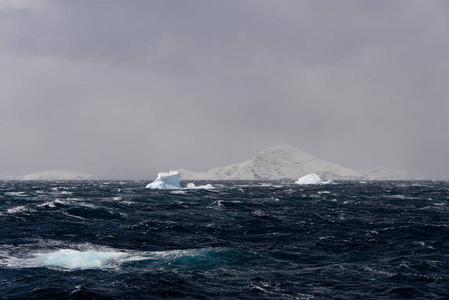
48	204
206	186
312	179
270	185
74	202
17	194
73	259
179	192
168	257
17	209
69	259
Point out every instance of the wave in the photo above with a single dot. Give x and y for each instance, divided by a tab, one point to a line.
16	194
17	209
73	259
70	259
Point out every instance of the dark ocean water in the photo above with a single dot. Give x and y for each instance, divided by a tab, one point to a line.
241	240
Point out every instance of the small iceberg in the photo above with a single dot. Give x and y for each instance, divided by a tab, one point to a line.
170	181
312	179
166	181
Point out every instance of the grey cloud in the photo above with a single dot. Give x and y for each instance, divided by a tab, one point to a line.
155	85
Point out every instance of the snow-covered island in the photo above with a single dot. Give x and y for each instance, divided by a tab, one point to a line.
275	163
283	161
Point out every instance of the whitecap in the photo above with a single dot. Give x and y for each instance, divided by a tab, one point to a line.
193	186
73	259
17	209
67	259
178	192
48	204
70	259
17	194
126	202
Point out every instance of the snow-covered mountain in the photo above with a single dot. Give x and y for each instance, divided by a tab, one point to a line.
276	162
280	162
387	173
55	175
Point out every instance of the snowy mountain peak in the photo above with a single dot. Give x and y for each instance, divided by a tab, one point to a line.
285	152
275	163
282	149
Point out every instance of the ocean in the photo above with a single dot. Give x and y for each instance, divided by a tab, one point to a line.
240	240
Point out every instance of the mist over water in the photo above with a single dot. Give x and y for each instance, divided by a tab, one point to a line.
254	240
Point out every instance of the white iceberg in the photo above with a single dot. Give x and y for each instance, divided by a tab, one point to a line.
312	179
166	180
171	180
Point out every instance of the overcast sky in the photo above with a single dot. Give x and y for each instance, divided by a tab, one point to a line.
131	88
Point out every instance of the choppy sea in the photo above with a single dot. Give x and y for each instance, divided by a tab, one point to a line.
240	240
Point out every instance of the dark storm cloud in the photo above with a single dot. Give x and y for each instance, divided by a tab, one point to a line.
148	86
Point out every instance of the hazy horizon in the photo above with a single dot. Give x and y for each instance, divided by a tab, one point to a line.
126	89
365	174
